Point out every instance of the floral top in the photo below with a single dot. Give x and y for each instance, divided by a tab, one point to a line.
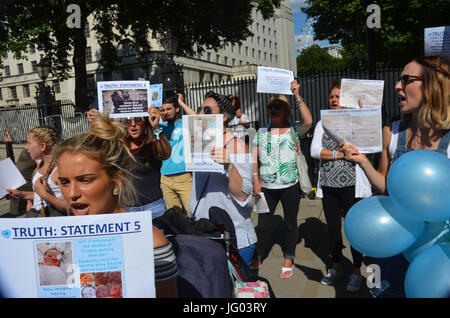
277	153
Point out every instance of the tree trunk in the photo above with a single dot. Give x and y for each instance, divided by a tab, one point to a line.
79	64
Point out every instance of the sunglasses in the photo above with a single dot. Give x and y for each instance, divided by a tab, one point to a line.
276	106
207	110
407	79
137	120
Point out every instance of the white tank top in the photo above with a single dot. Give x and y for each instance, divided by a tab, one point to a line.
52	188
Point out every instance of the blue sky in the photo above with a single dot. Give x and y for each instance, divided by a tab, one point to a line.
300	21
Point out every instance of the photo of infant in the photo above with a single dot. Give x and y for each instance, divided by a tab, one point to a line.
55	263
101	285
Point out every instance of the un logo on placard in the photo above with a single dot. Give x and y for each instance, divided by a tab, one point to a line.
6	233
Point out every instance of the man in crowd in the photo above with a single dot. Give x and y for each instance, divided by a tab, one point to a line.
175	181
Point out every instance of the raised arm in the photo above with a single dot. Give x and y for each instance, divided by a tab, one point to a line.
161	148
305	114
188	110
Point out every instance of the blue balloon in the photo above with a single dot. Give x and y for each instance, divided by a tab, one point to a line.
419	182
376	227
434	232
428	276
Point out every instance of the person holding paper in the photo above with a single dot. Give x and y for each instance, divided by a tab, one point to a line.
46	193
232	190
423	90
341	184
95	178
149	146
277	177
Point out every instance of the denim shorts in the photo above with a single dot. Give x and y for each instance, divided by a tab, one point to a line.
157	208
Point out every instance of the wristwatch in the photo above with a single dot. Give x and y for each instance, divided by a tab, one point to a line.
157	132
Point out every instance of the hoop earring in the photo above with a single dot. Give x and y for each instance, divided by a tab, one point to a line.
115	191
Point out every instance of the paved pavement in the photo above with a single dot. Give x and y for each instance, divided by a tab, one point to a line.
310	261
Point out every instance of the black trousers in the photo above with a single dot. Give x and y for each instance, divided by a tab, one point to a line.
290	200
336	202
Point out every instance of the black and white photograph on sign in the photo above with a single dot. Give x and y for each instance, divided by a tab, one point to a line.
122	99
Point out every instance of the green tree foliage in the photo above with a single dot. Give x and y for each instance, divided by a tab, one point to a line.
315	59
400	38
198	24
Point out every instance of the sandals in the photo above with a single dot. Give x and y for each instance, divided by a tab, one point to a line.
290	270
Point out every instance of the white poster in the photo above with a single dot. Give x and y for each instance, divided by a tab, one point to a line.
274	80
10	177
201	134
437	41
156	94
95	256
123	99
370	92
359	127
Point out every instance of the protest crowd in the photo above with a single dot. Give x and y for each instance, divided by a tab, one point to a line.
137	164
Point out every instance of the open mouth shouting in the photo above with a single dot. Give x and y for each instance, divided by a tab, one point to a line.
80	208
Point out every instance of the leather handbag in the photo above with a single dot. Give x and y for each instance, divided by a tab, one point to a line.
302	168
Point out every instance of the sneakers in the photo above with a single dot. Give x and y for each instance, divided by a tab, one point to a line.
354	283
331	277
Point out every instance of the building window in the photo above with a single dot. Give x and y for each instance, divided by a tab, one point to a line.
264	28
7	71
264	42
13	92
240	49
26	90
232	48
265	56
253	53
269	31
5	54
217	58
32	49
1	96
257	26
246	51
57	87
209	56
20	68
274	33
33	66
87	32
276	58
271	57
233	62
88	54
259	54
240	62
275	45
258	40
270	44
225	60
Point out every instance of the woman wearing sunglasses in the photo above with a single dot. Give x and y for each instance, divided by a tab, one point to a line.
277	176
341	184
149	146
423	91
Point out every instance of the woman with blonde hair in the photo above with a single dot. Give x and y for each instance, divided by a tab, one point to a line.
95	178
46	194
423	91
277	176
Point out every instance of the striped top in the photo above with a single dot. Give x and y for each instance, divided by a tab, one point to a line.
165	263
217	193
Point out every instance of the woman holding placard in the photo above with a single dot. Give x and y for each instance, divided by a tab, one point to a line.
95	178
423	90
341	184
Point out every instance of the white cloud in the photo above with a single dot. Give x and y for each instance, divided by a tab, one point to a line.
296	5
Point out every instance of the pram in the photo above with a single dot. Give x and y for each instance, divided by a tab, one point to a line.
203	249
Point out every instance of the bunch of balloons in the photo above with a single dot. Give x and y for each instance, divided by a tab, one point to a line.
414	220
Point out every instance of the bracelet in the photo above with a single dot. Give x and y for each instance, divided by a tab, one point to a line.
228	169
299	101
157	132
334	154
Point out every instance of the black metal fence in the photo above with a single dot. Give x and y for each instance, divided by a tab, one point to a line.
314	89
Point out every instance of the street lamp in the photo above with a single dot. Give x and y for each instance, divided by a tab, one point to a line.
42	69
174	72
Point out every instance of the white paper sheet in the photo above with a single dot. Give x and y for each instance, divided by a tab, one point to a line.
369	91
201	134
360	127
10	177
260	205
274	80
118	247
